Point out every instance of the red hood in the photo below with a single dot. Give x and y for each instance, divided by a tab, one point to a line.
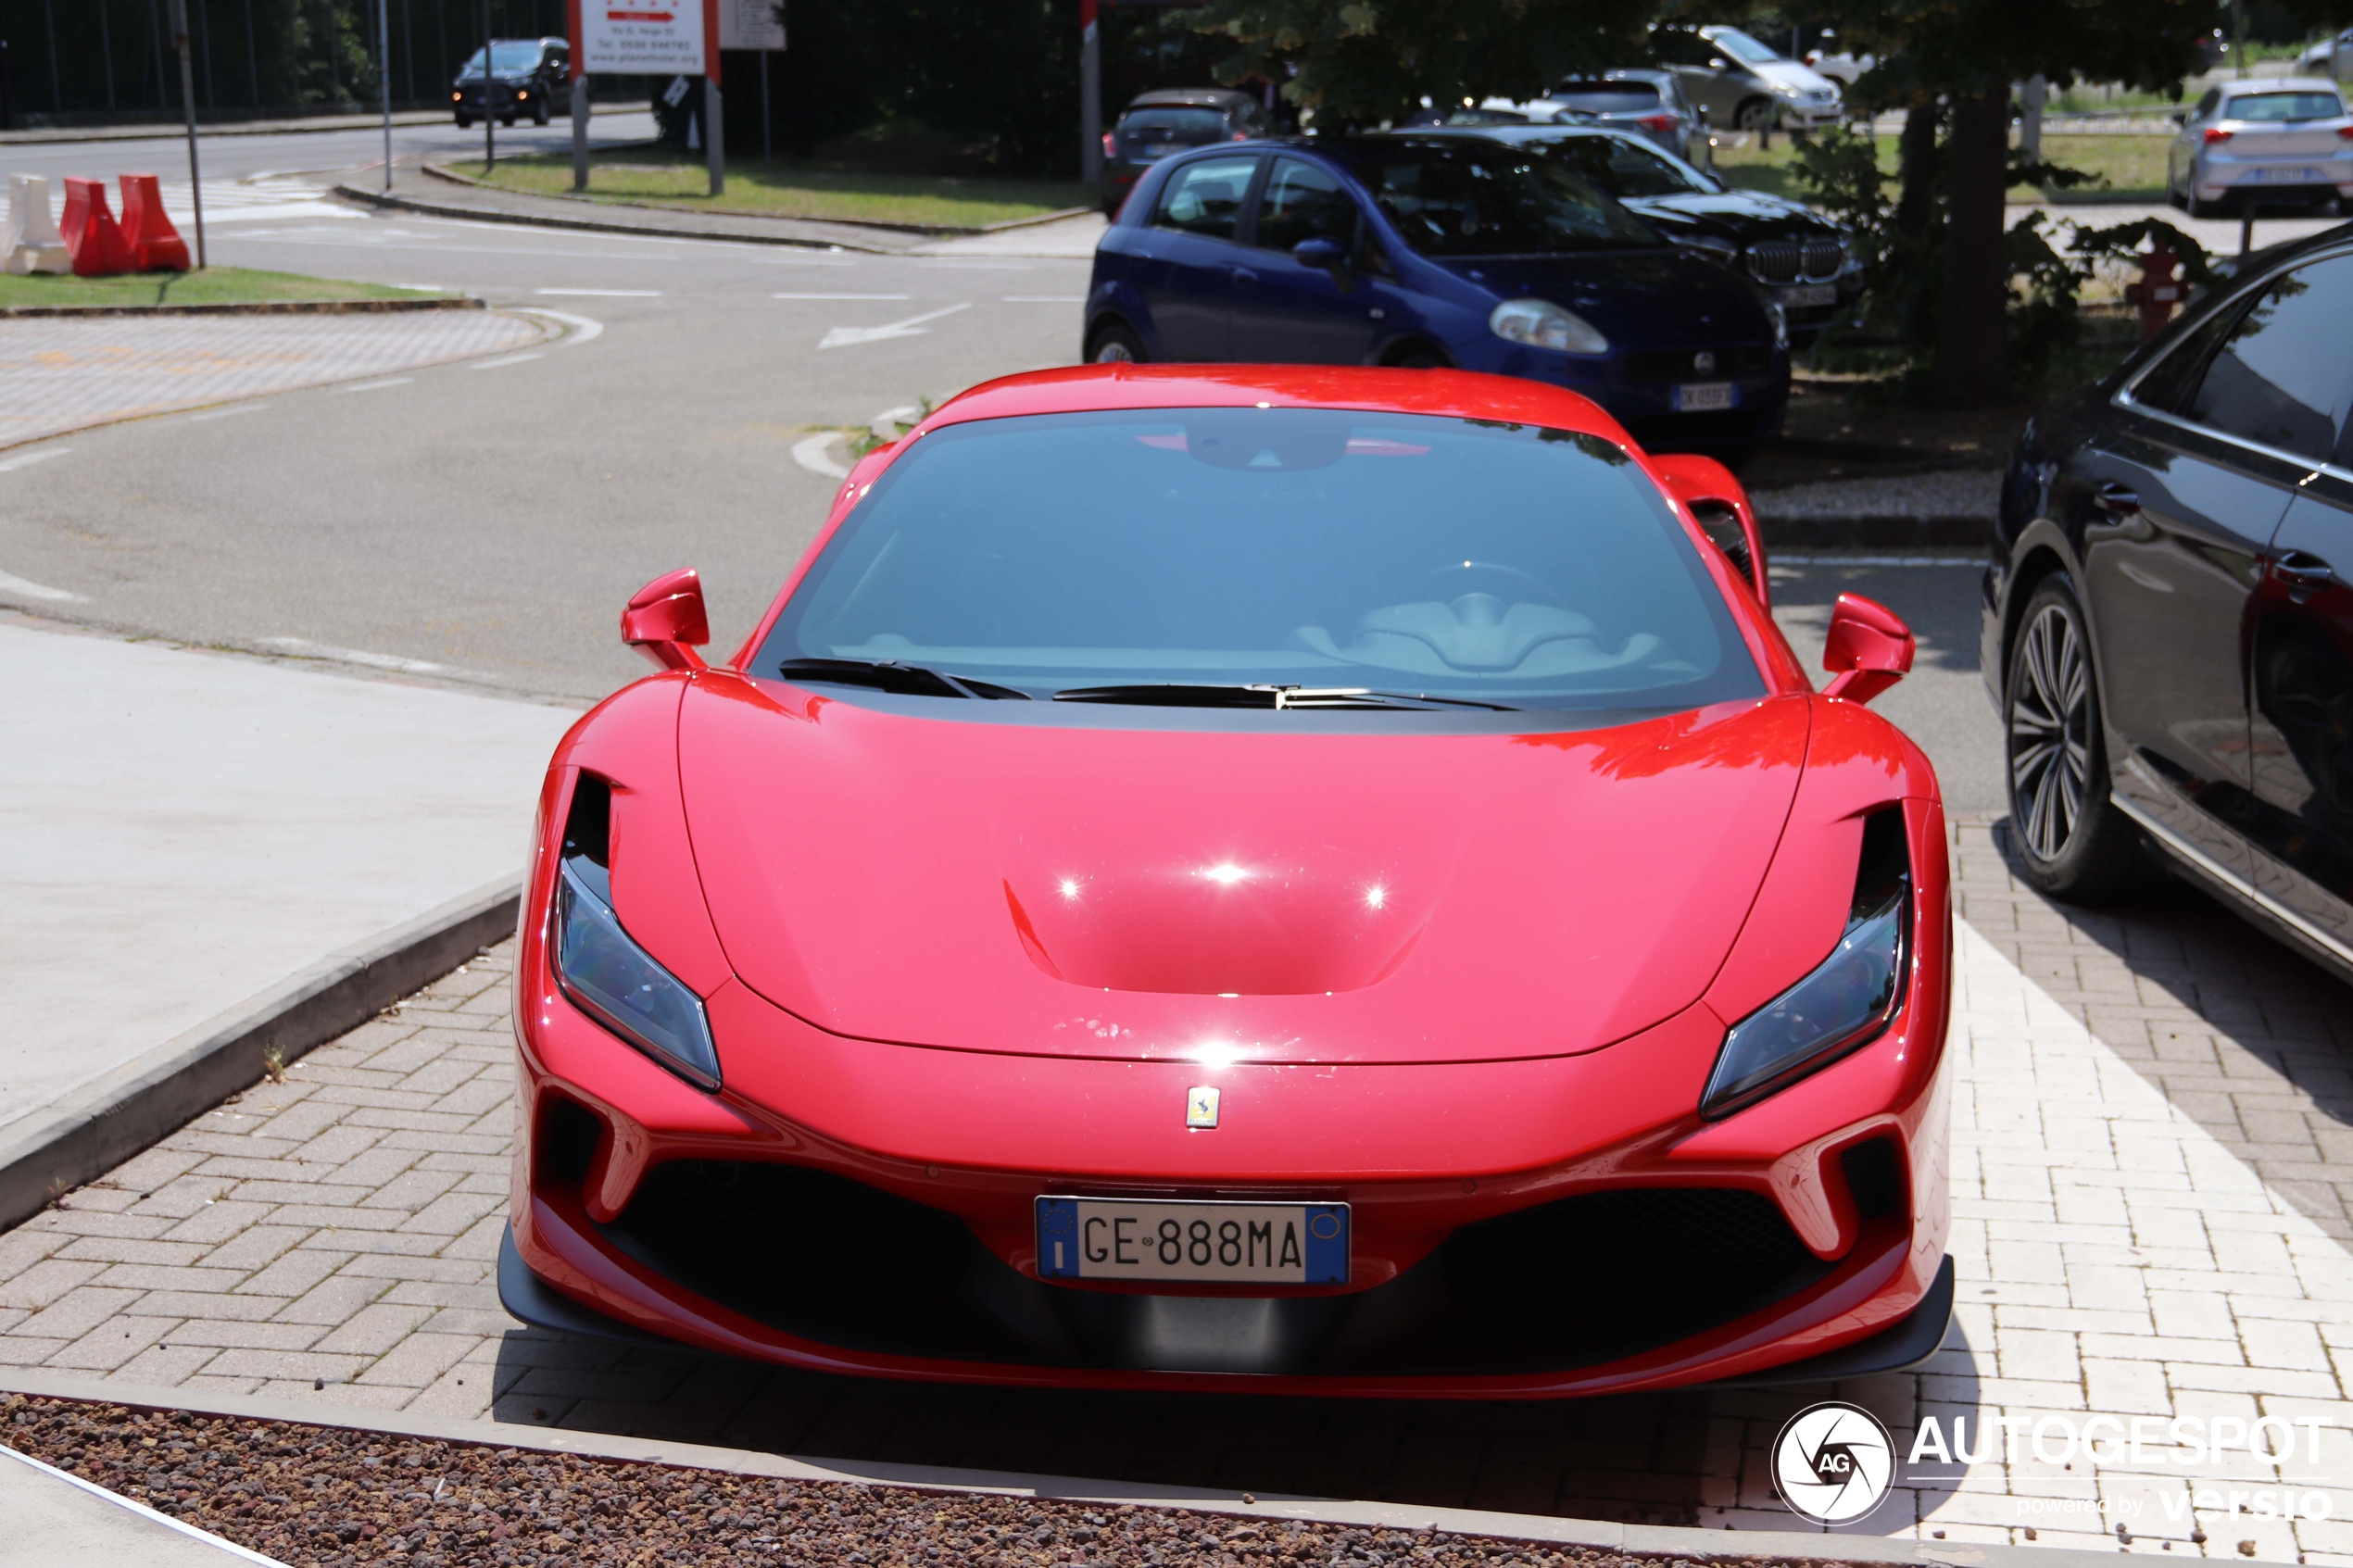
1143	893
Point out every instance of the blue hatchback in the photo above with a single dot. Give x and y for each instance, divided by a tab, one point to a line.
1429	250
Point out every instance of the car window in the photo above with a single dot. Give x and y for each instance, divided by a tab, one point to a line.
1206	197
1484	562
1740	47
2278	106
1475	198
2206	105
1251	119
1189	126
1606	97
2169	385
506	56
1303	202
2282	375
1625	167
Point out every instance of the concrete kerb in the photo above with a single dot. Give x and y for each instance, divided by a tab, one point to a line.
174	131
1662	1541
549	220
99	1126
255	307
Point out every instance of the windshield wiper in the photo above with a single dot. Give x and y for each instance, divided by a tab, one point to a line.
889	675
1177	694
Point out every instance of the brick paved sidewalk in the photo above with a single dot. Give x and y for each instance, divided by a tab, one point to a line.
63	373
2152	1166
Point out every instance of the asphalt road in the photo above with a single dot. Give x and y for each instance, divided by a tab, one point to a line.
495	519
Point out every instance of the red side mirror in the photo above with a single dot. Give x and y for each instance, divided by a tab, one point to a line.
1721	508
665	620
1869	648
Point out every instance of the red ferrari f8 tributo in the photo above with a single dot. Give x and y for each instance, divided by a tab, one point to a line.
1305	879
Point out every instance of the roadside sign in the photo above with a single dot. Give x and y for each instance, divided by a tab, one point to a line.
641	37
749	24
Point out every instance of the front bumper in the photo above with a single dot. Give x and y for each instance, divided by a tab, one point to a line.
1588	1236
1640	389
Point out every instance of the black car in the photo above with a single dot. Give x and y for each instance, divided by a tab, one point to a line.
2168	614
1170	120
1809	261
529	78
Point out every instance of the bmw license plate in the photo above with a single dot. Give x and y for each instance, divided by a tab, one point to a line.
1697	398
1207	1243
1809	294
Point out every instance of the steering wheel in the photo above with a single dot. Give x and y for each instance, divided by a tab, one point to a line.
1454	580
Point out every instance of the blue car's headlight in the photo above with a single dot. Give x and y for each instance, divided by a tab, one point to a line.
618	983
1844	1004
1542	324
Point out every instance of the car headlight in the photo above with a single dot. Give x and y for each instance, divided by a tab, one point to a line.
618	983
1542	324
1845	1003
1779	318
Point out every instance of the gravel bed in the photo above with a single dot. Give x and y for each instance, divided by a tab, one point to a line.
315	1497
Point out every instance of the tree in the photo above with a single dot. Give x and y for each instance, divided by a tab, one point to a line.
1364	61
1966	53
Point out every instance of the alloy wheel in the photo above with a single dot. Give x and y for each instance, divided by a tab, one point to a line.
2050	742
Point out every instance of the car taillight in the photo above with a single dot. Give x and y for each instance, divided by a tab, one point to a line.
1111	145
2344	132
2216	134
1238	136
1658	122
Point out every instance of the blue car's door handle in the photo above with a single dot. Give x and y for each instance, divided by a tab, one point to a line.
1244	277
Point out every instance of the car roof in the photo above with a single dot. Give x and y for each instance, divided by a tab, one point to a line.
1461	394
1193	97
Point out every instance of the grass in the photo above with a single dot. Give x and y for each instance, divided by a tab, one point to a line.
779	189
2131	166
214	285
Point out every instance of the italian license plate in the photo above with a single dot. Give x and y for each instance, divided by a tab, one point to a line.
2288	176
1207	1243
1697	398
1162	149
1810	294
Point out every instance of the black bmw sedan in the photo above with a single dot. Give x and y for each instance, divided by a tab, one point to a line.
1809	262
2169	613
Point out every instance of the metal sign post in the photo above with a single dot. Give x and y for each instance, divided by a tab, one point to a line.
384	64
1091	95
179	21
579	97
489	138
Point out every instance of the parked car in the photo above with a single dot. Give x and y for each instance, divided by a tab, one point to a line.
2331	58
1247	881
1169	121
2168	614
1646	103
529	78
1437	248
1809	261
2282	141
1742	84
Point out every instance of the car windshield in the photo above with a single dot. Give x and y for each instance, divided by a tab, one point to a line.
1740	45
2262	106
1468	197
1189	126
1482	562
506	56
1606	97
1625	168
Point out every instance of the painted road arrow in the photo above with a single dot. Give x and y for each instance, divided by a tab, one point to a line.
842	337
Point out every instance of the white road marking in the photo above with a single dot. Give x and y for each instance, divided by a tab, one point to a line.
841	296
378	385
308	649
504	360
224	413
607	294
580	328
11	584
842	337
1045	299
981	266
295	237
26	459
421	288
815	454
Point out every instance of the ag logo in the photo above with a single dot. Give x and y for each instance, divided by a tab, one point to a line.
1833	1462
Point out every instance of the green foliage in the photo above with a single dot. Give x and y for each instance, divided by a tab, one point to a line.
1365	61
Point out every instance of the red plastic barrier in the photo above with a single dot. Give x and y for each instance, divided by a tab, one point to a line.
91	238
156	246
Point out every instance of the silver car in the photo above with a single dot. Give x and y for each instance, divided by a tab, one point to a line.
1744	85
1646	103
2283	143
